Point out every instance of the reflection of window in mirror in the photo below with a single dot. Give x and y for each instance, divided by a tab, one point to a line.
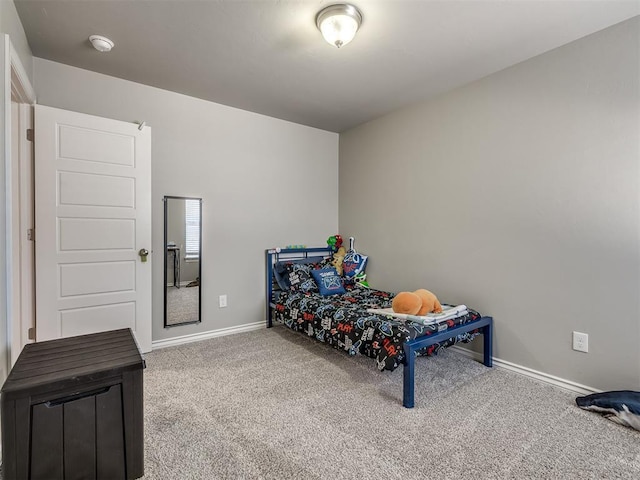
192	229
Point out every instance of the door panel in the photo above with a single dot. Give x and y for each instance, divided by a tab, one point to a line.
90	145
80	321
97	234
93	211
97	277
96	190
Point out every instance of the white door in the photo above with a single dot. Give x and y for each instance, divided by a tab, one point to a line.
93	216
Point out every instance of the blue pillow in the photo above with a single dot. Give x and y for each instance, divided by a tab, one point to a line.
328	280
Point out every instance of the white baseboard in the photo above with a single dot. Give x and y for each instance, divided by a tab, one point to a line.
182	284
497	362
196	337
528	372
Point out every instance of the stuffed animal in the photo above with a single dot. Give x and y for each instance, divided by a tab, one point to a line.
334	241
406	302
430	303
621	406
338	257
361	279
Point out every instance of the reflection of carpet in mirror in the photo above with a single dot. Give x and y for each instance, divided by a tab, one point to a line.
182	305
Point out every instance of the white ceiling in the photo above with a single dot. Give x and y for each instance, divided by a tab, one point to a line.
267	56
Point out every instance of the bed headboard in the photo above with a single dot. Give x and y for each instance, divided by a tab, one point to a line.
273	255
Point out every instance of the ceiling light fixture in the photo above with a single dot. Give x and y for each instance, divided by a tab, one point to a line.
339	23
100	43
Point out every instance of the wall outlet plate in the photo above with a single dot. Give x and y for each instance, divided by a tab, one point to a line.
222	301
581	342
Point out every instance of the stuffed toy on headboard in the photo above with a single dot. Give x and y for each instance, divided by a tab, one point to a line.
354	263
338	260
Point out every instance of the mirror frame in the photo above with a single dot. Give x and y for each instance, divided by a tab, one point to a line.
165	200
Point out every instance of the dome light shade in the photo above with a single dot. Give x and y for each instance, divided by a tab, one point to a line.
100	43
339	23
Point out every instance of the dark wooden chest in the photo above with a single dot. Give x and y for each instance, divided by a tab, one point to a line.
73	408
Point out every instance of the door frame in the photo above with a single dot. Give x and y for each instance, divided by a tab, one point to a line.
16	83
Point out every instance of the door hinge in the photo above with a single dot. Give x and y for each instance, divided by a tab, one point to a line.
30	134
31	333
31	234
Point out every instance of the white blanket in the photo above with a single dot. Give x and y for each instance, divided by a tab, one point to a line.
448	312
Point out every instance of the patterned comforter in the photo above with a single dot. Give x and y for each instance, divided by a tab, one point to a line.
343	322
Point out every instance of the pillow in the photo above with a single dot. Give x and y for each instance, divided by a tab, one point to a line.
280	269
328	280
353	265
299	277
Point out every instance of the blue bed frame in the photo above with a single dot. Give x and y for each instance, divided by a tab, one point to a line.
484	324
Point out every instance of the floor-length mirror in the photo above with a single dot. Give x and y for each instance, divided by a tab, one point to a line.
182	260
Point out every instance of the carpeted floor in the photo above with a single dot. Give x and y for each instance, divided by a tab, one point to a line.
274	404
182	305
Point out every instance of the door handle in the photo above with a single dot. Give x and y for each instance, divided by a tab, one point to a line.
143	254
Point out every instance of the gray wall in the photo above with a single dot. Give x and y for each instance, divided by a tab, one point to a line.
11	25
264	182
517	195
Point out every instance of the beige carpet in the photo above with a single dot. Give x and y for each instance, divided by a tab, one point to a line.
274	404
182	305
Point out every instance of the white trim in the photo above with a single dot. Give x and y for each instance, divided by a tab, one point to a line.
529	372
497	362
182	283
26	220
20	79
5	134
196	337
5	112
15	80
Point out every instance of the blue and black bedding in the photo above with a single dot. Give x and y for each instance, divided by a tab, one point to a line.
343	322
308	295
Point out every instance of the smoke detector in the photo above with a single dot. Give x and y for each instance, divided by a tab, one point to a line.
100	43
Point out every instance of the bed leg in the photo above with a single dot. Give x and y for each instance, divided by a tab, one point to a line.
269	286
409	375
488	344
269	316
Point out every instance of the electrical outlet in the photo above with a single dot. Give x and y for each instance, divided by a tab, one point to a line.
222	301
581	342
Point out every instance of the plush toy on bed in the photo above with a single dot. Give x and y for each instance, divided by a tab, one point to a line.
338	258
361	279
406	302
419	302
430	303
